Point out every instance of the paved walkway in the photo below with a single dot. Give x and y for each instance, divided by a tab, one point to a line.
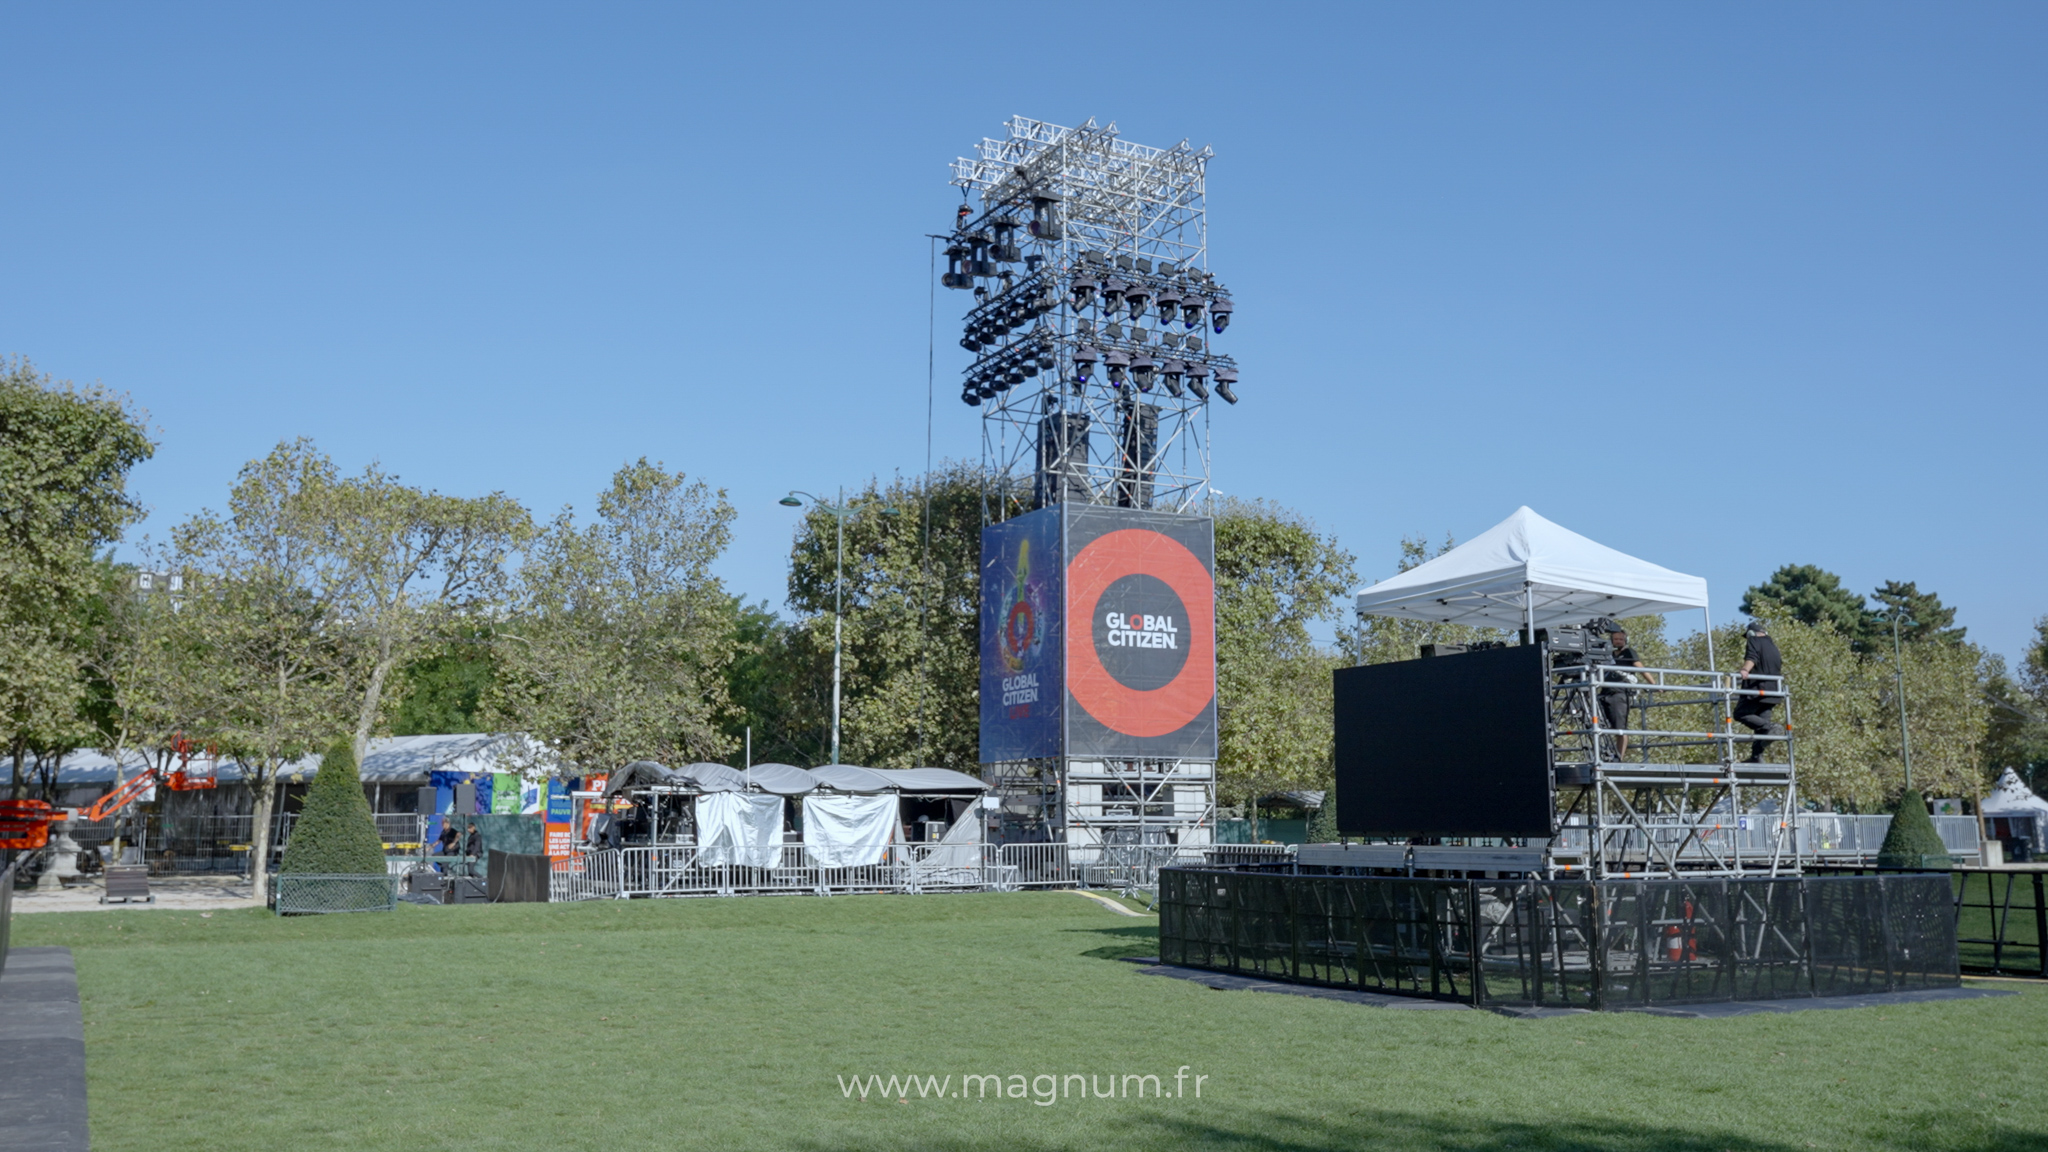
225	890
42	1054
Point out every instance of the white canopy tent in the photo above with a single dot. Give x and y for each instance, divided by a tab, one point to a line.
2011	797
1526	572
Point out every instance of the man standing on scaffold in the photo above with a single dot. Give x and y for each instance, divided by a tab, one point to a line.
1614	701
1759	659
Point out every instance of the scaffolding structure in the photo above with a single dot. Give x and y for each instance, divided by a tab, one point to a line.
1670	794
1092	318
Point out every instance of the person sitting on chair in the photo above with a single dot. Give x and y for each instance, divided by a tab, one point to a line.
1760	659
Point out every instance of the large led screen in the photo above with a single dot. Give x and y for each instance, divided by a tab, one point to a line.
1444	746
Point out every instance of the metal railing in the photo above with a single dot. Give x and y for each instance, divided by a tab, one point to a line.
687	870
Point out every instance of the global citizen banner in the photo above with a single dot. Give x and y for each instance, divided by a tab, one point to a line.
1098	635
1141	656
1020	638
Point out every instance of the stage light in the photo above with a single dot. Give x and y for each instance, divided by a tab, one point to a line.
1170	373
1045	220
1191	307
1084	291
1085	359
1142	367
1219	313
1136	296
1225	377
970	341
955	276
1113	294
1197	373
1005	248
1167	304
1117	361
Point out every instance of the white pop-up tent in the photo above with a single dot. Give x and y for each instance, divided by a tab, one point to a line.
1526	572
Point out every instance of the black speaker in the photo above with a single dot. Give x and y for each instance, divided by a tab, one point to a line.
1062	459
1140	446
428	803
465	797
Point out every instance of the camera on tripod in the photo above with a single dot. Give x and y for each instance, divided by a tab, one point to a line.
1582	645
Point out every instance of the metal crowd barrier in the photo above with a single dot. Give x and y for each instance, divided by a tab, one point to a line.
689	870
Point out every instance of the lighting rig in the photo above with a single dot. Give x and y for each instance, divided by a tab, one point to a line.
1094	309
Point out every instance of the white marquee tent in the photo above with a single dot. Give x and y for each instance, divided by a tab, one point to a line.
1526	572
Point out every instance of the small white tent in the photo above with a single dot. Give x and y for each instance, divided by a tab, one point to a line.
1528	572
2011	797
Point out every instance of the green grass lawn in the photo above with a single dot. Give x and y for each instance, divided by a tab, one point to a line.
730	1023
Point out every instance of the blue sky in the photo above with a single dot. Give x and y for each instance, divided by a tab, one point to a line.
1724	286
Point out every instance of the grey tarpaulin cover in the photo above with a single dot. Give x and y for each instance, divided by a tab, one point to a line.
957	856
743	828
848	831
781	779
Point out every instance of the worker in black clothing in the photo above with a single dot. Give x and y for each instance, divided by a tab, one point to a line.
1759	659
1614	701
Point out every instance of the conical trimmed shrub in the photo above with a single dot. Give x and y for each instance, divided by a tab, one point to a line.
335	834
1912	842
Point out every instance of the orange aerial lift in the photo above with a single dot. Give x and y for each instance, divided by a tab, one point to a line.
25	824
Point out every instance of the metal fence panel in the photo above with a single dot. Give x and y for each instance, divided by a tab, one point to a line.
305	894
1565	943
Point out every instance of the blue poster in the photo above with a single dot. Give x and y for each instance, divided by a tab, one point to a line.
1021	638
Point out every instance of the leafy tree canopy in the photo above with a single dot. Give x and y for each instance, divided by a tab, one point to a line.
1920	616
1810	595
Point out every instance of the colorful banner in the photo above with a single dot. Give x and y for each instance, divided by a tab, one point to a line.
1021	682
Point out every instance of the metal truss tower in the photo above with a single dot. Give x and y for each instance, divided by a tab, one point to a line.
1092	318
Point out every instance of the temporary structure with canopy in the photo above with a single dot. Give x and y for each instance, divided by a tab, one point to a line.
1528	573
2012	812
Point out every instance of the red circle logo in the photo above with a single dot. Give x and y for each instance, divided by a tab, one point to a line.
1020	628
1130	711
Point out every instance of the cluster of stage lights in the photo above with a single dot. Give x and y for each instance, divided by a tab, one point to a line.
1008	323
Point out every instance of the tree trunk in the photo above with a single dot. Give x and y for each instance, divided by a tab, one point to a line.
373	698
259	840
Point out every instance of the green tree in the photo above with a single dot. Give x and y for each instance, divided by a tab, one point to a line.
1911	841
65	455
620	637
1276	578
261	665
911	651
1921	616
443	691
335	833
774	689
1809	595
1385	639
405	567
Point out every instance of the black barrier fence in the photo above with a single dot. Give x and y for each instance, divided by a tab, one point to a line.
1623	944
2001	918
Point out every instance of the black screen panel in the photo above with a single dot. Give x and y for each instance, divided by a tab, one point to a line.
1444	746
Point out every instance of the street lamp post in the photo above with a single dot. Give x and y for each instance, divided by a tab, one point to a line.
839	512
1899	679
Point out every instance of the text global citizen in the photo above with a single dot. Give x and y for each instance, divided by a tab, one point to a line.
1135	630
1020	689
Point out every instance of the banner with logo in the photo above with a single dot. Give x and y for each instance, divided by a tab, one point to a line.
1020	637
1140	593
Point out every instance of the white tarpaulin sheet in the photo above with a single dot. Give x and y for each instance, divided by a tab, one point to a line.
1527	566
957	852
848	831
743	828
